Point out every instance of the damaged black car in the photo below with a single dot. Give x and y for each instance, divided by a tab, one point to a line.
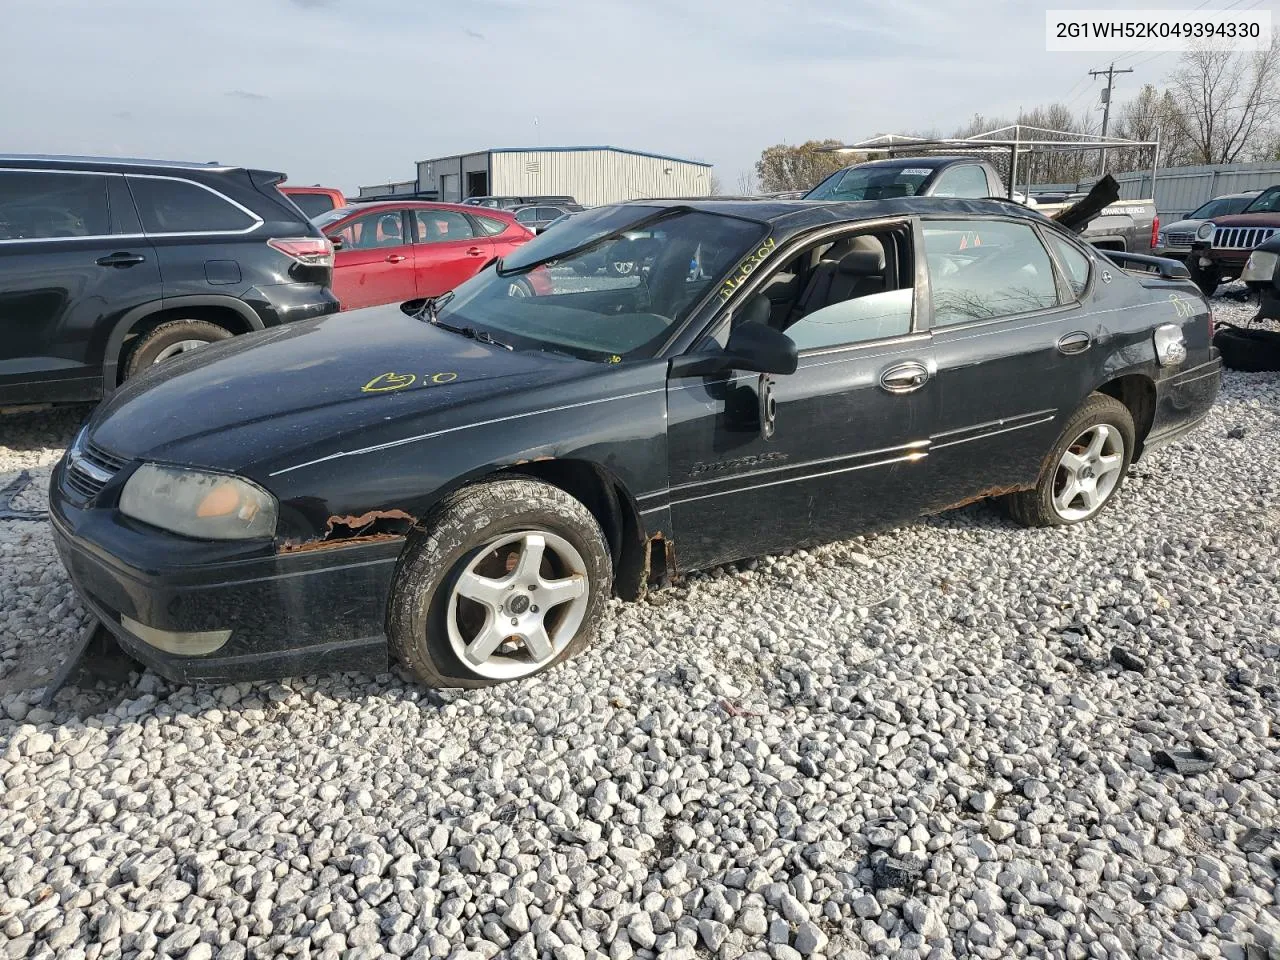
461	484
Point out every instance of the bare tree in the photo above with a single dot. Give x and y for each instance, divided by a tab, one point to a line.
714	187
1227	103
787	167
746	183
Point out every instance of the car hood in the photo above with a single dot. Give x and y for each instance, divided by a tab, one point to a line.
261	397
1181	226
1248	220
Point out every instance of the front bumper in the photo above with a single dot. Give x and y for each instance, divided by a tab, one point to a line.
1183	399
319	611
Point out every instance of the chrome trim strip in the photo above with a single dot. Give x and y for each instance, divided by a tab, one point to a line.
90	470
994	423
993	433
911	457
466	426
913	445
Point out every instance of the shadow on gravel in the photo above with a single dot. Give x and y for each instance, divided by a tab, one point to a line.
28	429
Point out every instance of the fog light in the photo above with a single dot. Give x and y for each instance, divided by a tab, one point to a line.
1171	348
170	641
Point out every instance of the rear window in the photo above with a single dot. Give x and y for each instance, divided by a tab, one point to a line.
180	206
871	183
48	205
312	204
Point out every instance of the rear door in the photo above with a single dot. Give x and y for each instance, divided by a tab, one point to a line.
72	261
447	249
1012	345
375	262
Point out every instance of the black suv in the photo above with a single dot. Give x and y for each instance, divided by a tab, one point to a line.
108	266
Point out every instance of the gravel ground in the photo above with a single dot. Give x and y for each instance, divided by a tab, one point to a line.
914	744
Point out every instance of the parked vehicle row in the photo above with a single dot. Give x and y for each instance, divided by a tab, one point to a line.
461	484
1223	244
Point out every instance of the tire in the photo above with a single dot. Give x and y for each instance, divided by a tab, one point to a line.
622	268
170	339
1047	505
1208	279
484	533
520	287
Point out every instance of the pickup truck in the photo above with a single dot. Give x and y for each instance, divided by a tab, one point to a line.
1128	226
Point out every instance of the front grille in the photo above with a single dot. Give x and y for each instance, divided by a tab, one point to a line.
1181	239
90	468
1240	238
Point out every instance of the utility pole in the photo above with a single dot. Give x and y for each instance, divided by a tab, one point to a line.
1110	72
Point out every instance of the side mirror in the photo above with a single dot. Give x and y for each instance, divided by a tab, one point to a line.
761	349
337	243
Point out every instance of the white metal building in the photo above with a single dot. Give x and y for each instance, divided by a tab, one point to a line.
591	175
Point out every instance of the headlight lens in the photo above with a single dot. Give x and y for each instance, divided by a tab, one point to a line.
1205	230
1260	266
1159	239
209	506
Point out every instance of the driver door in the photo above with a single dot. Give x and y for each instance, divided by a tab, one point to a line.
848	449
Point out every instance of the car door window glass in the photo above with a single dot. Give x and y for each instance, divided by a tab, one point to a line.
968	180
43	206
312	204
527	215
853	290
439	226
1073	261
985	269
179	206
371	231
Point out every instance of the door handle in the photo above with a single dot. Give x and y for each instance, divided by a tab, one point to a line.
474	252
120	260
904	378
396	258
1076	342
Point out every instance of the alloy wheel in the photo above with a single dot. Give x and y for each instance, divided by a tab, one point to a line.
1088	472
517	604
182	346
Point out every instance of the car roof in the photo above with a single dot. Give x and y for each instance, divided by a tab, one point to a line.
421	205
110	164
797	214
932	162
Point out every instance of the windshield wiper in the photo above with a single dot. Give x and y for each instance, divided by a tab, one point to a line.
431	313
431	309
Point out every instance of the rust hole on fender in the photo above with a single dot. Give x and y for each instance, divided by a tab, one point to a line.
371	527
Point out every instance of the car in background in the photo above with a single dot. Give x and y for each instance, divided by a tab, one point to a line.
538	216
395	251
1176	239
1223	244
506	203
315	200
109	266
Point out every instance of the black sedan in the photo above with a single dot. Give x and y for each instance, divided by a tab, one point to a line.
461	484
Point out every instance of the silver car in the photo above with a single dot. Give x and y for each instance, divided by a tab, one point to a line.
1175	239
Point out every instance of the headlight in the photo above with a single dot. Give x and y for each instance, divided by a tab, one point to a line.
209	506
1205	230
1159	239
1261	266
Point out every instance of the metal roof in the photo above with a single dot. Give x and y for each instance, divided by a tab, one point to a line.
802	213
114	161
637	153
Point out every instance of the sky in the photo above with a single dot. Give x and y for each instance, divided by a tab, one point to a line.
351	92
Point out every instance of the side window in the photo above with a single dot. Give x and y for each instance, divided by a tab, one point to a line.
490	226
985	269
371	231
180	206
527	215
312	204
968	180
1073	261
44	206
439	226
853	290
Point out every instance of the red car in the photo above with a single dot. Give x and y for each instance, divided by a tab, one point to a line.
316	200
400	250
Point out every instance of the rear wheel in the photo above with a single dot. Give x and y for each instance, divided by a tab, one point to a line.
509	579
1085	468
171	339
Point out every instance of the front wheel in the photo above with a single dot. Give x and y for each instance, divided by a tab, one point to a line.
509	578
1085	468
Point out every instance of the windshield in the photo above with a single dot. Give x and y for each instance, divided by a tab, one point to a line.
609	285
871	183
333	216
1268	201
1217	207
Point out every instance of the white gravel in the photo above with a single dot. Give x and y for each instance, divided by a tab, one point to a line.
728	773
